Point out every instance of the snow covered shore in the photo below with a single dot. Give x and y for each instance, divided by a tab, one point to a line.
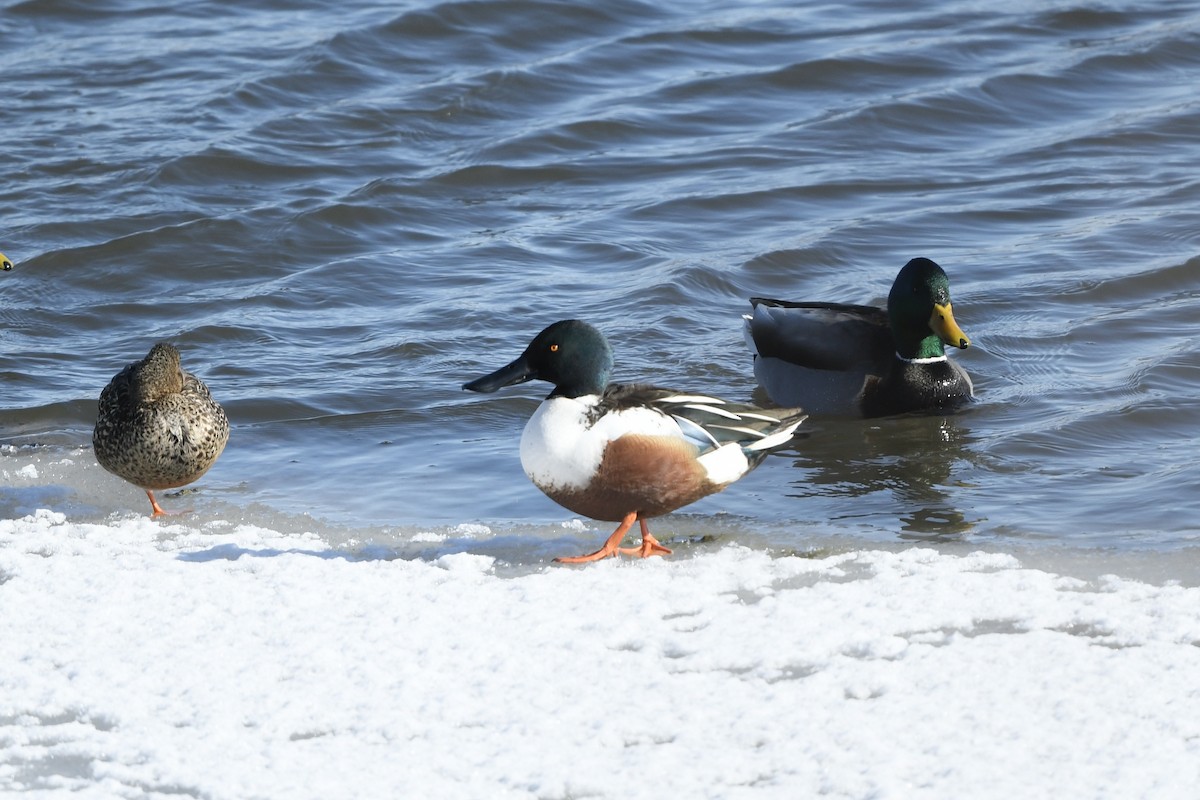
140	658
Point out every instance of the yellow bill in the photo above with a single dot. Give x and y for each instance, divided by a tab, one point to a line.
942	323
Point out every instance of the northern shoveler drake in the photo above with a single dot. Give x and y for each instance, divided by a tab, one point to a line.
625	453
159	426
837	359
5	263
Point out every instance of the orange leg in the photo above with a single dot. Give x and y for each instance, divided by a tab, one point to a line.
650	545
158	511
610	547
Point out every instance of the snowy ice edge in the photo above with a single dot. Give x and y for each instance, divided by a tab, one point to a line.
136	656
891	573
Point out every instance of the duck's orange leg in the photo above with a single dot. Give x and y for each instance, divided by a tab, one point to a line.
158	511
650	545
611	545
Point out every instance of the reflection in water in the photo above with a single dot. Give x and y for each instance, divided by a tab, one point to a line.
880	472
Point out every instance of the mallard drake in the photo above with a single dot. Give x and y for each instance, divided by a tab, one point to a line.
158	426
831	358
625	453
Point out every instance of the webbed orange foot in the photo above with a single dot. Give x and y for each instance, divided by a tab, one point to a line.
611	545
650	546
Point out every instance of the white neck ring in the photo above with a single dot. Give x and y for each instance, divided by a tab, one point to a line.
933	360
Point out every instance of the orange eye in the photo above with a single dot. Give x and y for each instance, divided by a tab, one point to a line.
553	348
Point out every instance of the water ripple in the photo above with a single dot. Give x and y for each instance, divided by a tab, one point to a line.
343	211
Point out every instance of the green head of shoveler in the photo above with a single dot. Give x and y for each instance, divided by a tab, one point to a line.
920	313
571	354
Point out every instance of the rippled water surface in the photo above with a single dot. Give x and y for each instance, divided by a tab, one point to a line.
343	211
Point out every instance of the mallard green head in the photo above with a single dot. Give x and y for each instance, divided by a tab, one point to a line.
5	262
920	314
571	354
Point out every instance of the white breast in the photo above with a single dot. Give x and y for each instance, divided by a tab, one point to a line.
559	451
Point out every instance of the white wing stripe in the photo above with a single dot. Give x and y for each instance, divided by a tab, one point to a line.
692	398
776	439
740	429
760	417
720	412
